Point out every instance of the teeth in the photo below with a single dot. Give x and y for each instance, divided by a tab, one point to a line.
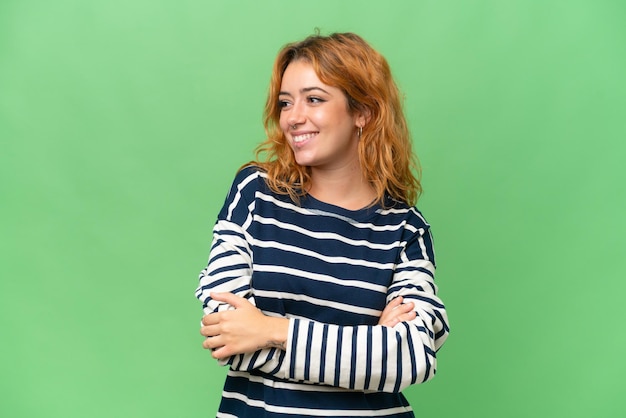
304	137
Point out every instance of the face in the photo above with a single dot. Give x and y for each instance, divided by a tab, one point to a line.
315	120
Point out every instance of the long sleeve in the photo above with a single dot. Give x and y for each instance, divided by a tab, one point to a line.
230	262
376	358
230	267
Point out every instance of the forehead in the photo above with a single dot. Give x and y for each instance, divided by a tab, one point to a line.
301	74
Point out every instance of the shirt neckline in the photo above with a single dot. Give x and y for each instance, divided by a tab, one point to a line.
311	202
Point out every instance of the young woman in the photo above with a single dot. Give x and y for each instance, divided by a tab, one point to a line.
319	293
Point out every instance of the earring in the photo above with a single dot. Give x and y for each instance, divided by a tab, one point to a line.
360	131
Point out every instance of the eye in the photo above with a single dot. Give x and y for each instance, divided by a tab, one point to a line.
283	104
315	100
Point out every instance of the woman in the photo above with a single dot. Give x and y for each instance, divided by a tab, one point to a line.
319	293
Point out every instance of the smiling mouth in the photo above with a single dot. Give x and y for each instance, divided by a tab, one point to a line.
301	138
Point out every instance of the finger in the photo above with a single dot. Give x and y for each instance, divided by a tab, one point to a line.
394	303
210	331
230	298
391	306
406	317
393	311
221	353
211	319
409	316
212	343
405	307
396	314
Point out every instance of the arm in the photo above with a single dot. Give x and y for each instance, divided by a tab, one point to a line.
246	329
229	269
373	358
377	358
243	330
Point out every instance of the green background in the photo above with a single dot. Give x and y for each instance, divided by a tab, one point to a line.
122	123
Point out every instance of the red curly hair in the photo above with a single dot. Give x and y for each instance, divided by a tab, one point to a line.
345	61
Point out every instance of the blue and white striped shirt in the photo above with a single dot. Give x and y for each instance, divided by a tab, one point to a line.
331	271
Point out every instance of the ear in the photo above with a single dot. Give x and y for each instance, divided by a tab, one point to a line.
362	118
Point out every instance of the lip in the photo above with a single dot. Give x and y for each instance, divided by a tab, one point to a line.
301	138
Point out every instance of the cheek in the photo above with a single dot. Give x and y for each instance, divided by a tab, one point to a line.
282	122
326	118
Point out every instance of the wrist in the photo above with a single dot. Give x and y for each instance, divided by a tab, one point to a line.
278	332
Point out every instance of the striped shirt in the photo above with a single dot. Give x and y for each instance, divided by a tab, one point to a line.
331	272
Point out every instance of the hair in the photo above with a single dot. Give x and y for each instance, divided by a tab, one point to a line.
347	62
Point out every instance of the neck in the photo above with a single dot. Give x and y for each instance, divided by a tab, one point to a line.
343	187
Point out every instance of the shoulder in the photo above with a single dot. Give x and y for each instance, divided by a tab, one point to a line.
246	186
248	174
396	211
248	180
416	233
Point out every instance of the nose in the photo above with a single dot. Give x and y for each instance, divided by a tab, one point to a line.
297	114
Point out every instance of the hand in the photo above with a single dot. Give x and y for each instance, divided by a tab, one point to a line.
396	312
243	330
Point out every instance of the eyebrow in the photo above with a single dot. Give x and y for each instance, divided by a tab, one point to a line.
304	90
